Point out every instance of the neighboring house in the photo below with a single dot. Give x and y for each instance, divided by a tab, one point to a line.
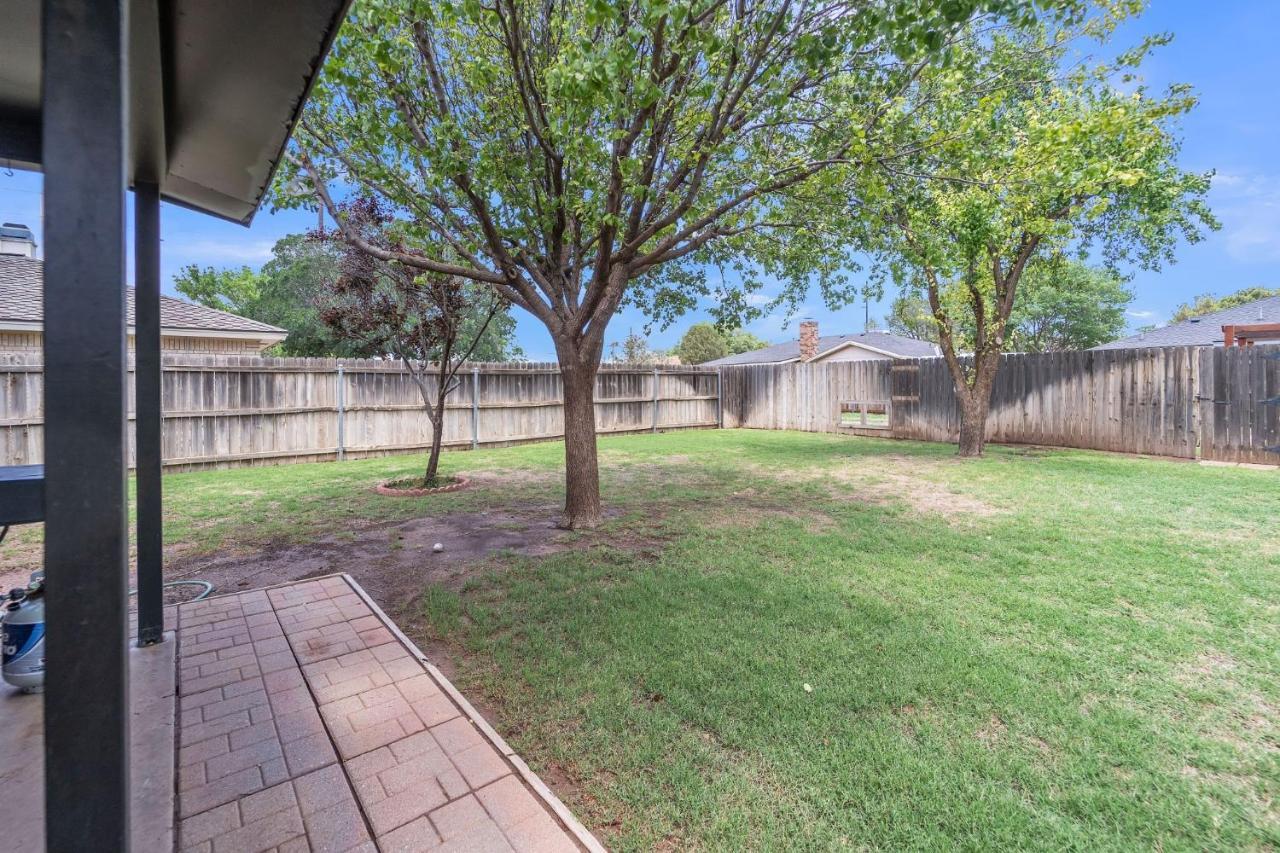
183	327
864	346
1205	330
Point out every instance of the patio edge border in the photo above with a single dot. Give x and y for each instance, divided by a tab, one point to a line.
561	811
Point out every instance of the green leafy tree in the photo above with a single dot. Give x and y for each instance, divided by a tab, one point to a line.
287	292
432	323
702	342
740	341
909	316
1062	305
1207	303
1042	158
1068	306
232	289
577	155
298	273
633	349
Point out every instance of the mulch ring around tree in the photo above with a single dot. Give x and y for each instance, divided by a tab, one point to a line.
412	487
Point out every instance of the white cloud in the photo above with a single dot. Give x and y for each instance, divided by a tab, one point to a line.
759	299
218	252
1253	231
1248	203
1141	315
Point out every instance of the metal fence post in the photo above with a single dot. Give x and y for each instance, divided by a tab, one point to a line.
719	398
655	399
475	407
342	414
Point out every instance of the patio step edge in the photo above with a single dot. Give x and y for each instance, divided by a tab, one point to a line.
540	788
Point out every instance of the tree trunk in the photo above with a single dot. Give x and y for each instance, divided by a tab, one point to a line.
581	470
435	413
973	423
437	434
975	403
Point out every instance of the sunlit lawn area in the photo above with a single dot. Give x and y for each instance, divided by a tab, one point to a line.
791	640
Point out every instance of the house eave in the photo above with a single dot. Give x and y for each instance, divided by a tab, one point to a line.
268	338
859	345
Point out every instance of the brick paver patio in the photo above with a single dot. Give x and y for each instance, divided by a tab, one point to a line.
308	722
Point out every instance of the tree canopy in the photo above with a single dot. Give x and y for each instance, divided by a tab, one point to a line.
740	341
633	349
232	289
702	342
581	155
1207	303
1063	305
1015	153
1068	306
288	292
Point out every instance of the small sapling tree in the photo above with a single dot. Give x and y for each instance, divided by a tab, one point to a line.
432	323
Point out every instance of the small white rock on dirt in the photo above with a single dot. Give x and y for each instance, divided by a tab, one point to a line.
438	547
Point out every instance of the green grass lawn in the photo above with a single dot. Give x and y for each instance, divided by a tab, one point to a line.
1035	650
1038	650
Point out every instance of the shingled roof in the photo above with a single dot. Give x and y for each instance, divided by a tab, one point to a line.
894	346
1205	330
22	301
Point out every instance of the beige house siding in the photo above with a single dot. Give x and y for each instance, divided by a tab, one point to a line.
226	346
33	342
20	341
852	352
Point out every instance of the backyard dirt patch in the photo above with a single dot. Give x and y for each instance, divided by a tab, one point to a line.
745	514
393	562
925	496
886	480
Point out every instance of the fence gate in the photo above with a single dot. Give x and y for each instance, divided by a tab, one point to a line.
1239	403
904	395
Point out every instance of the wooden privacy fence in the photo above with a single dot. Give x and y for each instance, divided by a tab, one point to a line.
1137	401
799	396
226	411
1210	403
1239	404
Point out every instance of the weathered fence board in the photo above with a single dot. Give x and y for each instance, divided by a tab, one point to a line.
1240	404
224	411
1175	401
799	396
1136	401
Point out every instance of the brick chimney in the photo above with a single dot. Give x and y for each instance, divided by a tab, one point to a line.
808	339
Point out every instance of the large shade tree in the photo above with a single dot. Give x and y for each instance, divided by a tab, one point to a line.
1023	153
576	155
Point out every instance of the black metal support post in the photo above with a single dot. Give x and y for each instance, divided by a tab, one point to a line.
147	410
86	715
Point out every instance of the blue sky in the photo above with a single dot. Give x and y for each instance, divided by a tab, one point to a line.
1225	49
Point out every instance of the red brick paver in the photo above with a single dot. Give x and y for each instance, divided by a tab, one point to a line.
305	723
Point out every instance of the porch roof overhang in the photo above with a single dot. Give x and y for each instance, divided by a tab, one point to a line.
215	90
1248	334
